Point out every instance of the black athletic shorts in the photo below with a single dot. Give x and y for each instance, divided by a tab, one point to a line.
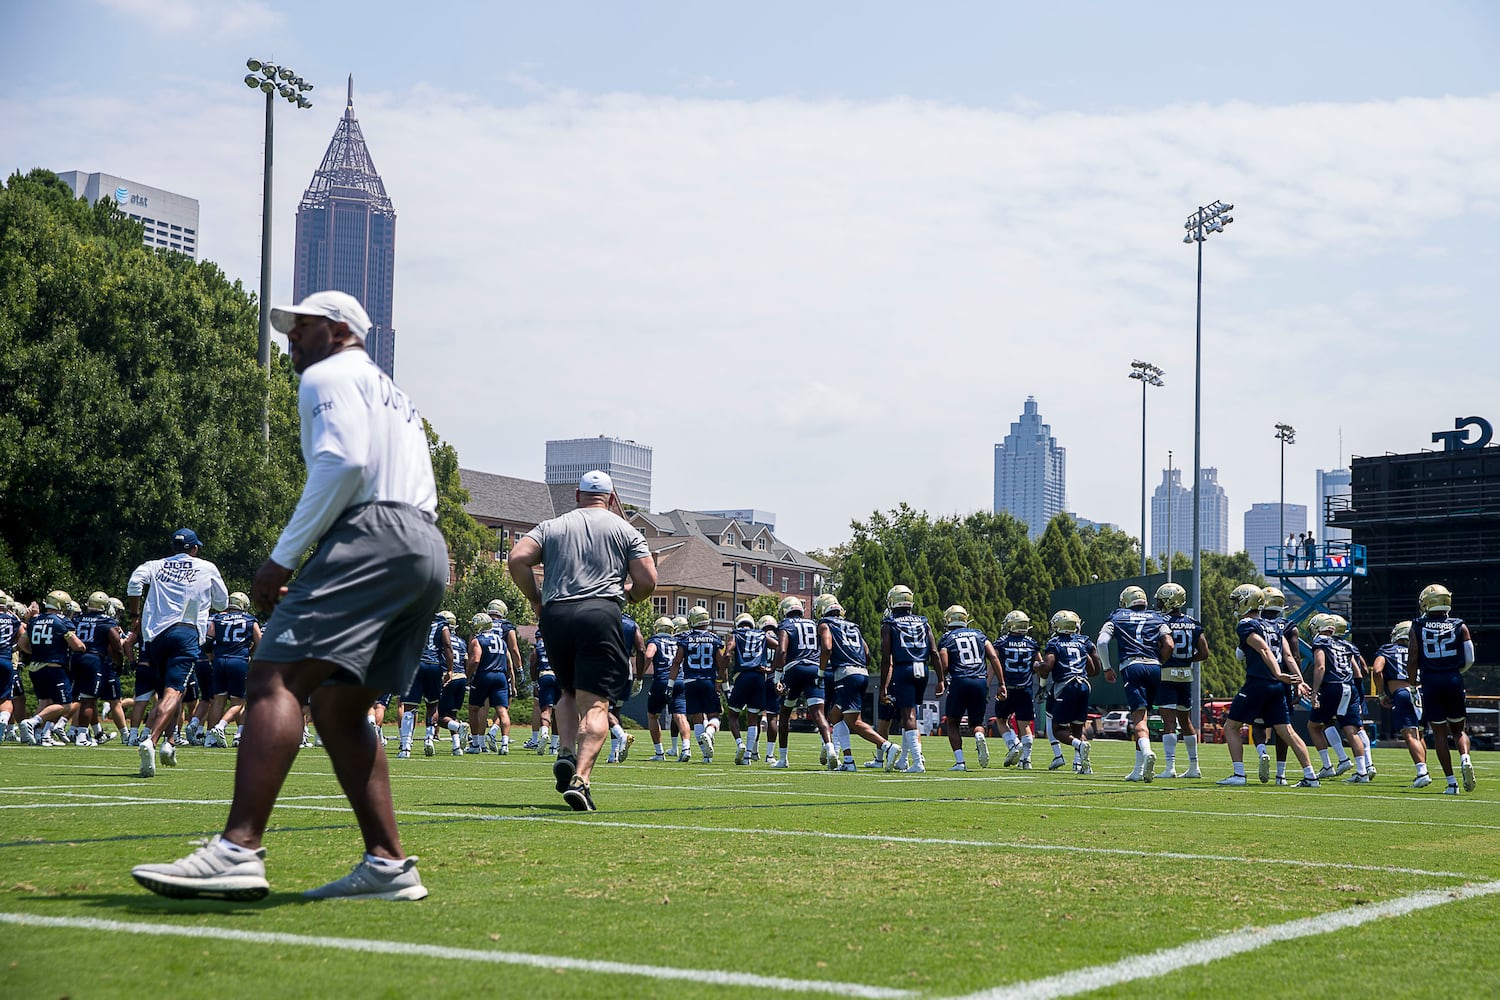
586	647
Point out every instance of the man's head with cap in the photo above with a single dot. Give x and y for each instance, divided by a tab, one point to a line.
595	489
185	540
322	324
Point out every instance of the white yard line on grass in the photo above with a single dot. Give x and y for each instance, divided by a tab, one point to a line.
1167	960
1094	805
713	977
892	839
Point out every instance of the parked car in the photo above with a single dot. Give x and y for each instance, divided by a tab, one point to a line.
1116	724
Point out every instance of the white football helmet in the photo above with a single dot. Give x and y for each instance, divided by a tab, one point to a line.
956	617
1066	623
449	617
679	624
1131	596
497	609
239	600
98	601
1018	622
1401	632
1340	626
789	605
116	606
662	624
57	600
899	596
767	621
1272	599
481	622
744	620
698	616
1435	597
825	604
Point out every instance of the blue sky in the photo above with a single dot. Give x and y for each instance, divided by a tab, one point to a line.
819	254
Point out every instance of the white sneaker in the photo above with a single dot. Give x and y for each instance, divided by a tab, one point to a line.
1083	758
848	765
823	755
1013	755
1326	772
625	747
960	766
982	749
778	764
428	749
1133	776
1148	771
892	756
1357	779
706	745
1345	766
1169	774
1421	781
148	759
834	761
1467	770
1192	772
168	754
917	766
27	731
208	872
1233	781
741	755
879	761
658	756
685	757
1057	762
1281	780
1265	768
368	881
404	753
1451	790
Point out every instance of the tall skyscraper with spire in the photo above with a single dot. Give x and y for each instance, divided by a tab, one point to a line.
1031	472
346	234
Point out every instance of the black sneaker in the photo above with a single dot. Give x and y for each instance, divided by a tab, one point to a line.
577	796
563	769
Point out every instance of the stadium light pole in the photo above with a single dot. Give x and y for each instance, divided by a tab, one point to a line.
1286	434
1208	219
734	597
274	81
1147	374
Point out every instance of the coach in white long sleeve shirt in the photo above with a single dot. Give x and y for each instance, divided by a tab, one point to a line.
350	627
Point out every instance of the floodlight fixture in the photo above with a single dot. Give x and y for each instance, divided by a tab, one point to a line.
253	65
252	81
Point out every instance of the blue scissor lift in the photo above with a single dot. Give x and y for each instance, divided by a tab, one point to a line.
1334	565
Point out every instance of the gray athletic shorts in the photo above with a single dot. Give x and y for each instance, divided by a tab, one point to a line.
365	599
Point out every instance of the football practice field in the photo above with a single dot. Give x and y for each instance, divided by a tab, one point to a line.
697	881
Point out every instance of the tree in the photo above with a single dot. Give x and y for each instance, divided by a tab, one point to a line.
468	541
1222	672
132	401
764	604
1061	558
474	590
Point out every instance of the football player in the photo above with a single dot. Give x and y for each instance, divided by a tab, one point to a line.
427	686
1189	646
1145	641
544	679
965	661
497	736
1334	690
1357	702
661	650
681	731
47	640
10	629
1440	649
620	741
1262	695
906	649
749	668
1020	657
492	683
1272	614
700	662
235	633
1070	658
95	674
797	660
455	688
845	662
1398	695
770	718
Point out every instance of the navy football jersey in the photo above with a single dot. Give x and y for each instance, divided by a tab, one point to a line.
493	658
965	648
460	652
631	630
93	631
1072	652
234	630
1338	667
848	645
1018	653
800	641
1255	663
1439	645
10	626
1186	631
911	639
46	634
666	652
432	652
749	649
1395	661
1137	631
699	647
542	665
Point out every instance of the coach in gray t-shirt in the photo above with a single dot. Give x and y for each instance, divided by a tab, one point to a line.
588	555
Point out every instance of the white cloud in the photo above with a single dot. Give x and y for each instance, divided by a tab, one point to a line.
823	307
239	17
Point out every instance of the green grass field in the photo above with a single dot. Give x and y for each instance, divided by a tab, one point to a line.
711	880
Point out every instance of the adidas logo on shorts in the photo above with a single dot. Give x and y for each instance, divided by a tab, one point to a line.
286	636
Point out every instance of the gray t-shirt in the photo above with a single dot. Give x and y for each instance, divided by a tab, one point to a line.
587	553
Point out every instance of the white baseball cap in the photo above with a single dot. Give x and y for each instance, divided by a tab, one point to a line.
340	307
596	482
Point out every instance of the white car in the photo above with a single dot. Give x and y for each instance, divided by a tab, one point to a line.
1116	724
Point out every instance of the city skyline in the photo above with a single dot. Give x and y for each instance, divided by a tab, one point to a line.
346	234
1171	496
1031	472
875	226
